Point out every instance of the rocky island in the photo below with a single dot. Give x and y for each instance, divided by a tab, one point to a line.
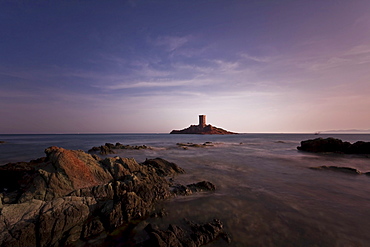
203	129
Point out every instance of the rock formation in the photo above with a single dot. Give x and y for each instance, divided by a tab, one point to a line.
110	148
202	129
194	145
197	235
206	130
320	145
71	195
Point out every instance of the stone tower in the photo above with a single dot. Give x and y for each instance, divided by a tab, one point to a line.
202	120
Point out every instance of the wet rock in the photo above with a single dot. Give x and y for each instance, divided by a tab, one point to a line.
320	145
92	228
110	148
159	214
189	189
202	186
195	235
182	190
359	147
280	142
189	144
163	167
349	170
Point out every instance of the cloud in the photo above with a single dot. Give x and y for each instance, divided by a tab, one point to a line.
358	50
16	95
192	83
255	58
226	66
146	84
171	43
313	67
28	73
148	70
359	54
192	68
329	63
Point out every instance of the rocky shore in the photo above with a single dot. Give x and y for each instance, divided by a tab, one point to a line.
332	145
71	196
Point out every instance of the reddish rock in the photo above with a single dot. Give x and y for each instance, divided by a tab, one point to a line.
79	167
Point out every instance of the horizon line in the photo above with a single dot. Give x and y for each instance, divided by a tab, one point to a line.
154	133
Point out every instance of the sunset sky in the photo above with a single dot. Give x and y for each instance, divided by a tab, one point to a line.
153	66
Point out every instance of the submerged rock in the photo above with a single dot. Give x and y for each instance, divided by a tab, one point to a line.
189	144
202	186
71	195
197	235
349	170
110	148
320	145
185	190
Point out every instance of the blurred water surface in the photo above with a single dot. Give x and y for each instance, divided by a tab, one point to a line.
266	195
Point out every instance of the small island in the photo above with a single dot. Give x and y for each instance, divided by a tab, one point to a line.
203	129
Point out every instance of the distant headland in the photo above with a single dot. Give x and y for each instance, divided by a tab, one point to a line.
203	129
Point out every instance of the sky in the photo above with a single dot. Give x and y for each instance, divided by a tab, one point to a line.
142	66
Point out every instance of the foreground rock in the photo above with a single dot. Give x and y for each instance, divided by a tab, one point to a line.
71	195
110	148
320	145
197	235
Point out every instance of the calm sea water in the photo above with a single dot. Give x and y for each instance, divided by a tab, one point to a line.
266	195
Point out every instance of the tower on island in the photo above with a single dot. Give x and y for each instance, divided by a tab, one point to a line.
202	129
202	121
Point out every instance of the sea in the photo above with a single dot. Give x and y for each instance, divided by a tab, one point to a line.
266	195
